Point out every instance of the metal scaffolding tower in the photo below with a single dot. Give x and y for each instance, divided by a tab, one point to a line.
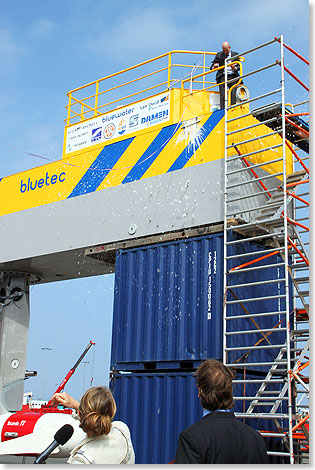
267	209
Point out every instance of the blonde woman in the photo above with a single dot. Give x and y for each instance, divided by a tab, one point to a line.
107	441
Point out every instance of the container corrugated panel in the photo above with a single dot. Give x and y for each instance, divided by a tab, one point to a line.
168	302
157	407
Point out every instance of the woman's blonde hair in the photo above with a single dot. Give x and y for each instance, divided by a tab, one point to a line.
97	410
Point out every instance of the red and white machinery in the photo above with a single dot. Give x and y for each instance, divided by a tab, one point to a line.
31	430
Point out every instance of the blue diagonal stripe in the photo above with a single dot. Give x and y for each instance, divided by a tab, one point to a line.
189	151
150	155
100	168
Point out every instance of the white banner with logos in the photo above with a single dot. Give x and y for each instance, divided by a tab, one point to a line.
118	123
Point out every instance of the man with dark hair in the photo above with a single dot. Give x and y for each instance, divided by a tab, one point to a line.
232	72
219	438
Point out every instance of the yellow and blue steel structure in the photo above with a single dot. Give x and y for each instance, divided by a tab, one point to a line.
193	135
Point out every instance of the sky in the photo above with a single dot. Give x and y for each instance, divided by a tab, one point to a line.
48	48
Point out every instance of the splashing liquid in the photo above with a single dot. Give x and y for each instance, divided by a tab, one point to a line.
192	133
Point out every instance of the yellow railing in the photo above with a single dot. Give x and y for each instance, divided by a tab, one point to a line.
93	103
215	84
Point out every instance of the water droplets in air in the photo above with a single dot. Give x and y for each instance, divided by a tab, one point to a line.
192	133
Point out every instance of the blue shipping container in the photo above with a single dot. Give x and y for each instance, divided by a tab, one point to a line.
168	302
157	407
168	305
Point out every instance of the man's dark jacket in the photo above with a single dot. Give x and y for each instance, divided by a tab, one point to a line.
220	59
220	438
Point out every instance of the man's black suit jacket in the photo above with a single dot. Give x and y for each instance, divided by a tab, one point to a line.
220	59
220	438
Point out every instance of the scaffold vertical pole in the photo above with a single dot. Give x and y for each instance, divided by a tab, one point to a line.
225	231
286	255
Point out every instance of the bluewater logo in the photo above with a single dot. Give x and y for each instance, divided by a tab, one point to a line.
118	114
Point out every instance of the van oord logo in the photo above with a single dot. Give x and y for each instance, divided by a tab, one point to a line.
48	180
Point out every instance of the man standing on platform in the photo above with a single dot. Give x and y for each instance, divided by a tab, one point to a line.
232	71
219	437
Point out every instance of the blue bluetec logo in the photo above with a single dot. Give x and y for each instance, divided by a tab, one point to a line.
42	182
96	134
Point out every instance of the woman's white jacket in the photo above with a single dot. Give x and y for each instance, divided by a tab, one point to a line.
113	448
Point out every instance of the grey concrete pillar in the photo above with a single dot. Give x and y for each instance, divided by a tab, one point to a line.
14	327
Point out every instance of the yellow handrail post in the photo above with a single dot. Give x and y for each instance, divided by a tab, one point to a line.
96	97
204	70
236	84
82	111
181	97
169	69
69	109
